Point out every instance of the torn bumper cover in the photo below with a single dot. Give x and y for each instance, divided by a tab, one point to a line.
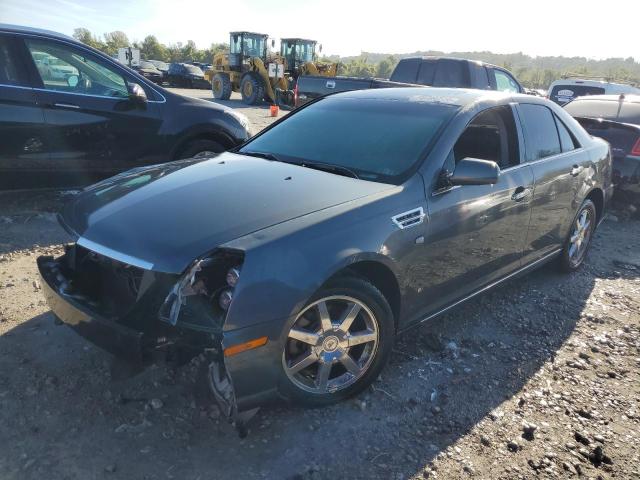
144	316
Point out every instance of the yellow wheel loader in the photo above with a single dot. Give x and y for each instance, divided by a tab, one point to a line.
247	68
300	58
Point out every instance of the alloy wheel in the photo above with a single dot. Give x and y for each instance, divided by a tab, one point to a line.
580	236
331	345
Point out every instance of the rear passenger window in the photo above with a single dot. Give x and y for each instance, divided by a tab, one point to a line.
9	70
567	142
451	73
479	76
542	134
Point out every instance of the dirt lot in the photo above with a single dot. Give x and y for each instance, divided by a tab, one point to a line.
539	378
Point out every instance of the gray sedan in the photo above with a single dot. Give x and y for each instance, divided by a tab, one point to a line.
293	261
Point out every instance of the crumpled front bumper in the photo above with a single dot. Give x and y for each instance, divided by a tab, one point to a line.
239	383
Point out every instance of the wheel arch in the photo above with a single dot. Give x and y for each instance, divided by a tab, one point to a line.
219	136
380	275
596	195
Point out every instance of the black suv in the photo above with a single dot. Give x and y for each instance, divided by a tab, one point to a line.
70	114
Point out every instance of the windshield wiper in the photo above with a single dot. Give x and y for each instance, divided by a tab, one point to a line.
329	167
326	167
267	155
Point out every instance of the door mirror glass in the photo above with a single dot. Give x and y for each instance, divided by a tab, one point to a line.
72	81
474	171
136	93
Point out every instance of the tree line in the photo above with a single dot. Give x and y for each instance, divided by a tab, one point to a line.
532	72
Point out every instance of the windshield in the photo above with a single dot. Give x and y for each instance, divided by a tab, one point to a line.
301	51
145	64
159	64
378	139
193	69
562	94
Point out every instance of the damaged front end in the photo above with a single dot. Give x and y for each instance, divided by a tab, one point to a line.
143	316
200	301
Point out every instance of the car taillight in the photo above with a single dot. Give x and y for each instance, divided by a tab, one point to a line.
635	151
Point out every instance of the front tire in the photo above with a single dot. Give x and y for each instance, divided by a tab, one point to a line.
200	148
338	344
251	89
221	86
579	238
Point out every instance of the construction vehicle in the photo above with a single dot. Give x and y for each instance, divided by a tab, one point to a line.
300	59
248	68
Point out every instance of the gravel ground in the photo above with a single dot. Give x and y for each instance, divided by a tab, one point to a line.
537	379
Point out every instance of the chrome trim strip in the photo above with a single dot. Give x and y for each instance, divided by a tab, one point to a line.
114	254
485	288
16	86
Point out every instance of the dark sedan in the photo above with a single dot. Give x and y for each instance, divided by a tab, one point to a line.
294	261
149	71
96	118
616	118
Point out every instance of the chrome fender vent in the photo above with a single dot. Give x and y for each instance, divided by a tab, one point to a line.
409	219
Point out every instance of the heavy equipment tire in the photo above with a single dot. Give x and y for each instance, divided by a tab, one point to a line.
252	89
221	86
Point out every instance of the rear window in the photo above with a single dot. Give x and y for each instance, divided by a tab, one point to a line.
625	112
380	140
562	94
406	71
451	73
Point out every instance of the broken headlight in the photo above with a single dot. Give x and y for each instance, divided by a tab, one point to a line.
203	294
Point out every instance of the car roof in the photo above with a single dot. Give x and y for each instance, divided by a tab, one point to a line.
461	97
591	83
457	59
39	31
612	98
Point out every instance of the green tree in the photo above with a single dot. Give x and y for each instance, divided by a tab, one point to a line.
85	36
152	49
115	40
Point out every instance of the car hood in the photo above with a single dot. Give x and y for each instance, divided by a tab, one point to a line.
163	217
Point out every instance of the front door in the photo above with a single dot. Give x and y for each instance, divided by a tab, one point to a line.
23	145
93	128
476	233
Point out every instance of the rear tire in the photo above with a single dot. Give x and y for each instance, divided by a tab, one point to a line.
252	89
350	350
200	148
221	86
576	245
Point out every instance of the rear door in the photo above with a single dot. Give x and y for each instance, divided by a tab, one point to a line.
558	163
23	145
93	128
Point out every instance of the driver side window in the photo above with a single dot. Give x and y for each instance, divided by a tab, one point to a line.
66	69
491	135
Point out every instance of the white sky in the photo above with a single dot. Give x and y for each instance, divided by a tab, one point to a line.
345	27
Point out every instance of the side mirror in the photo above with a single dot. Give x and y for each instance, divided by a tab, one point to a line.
136	93
320	48
474	171
273	43
72	81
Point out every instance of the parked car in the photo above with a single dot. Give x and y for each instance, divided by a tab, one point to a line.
150	72
564	90
160	65
101	119
295	260
430	71
186	76
615	118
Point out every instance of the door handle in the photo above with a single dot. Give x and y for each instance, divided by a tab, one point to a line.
66	105
520	194
576	170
